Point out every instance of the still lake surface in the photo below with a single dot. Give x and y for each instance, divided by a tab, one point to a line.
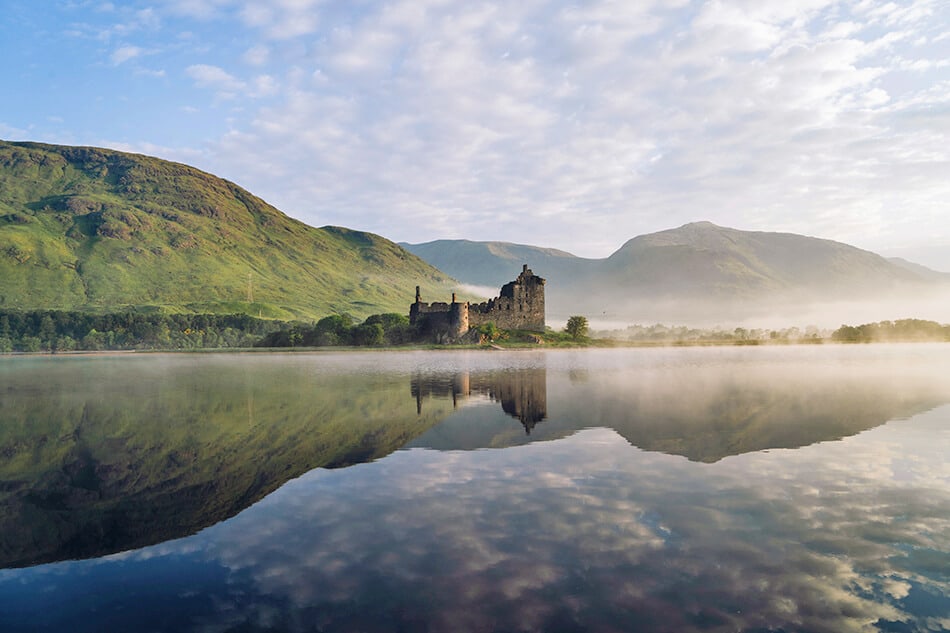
699	489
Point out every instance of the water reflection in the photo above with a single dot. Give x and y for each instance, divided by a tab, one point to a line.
584	533
103	455
702	411
521	392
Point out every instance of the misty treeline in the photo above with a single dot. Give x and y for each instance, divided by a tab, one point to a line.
900	330
659	333
881	331
64	331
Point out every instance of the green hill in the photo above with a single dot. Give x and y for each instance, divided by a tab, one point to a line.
96	229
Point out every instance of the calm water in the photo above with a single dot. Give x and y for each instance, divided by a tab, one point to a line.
726	489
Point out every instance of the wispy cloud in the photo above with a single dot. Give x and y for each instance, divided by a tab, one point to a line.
125	53
214	77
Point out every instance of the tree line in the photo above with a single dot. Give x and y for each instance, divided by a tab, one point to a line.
65	331
881	331
900	330
376	330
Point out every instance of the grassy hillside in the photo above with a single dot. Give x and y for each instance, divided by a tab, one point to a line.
97	229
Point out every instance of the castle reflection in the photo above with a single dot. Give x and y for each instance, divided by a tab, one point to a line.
522	393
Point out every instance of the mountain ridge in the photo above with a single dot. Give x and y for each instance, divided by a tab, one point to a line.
97	229
700	267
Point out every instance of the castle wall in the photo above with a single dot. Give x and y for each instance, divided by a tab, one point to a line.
520	306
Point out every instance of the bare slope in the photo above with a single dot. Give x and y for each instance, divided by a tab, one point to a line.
88	228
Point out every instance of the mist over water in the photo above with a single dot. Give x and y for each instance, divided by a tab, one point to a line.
934	305
720	489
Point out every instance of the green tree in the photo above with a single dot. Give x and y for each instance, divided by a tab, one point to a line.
31	344
295	337
64	344
368	334
577	327
396	328
93	340
330	330
47	332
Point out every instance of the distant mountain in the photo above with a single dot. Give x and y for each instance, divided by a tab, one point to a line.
917	269
699	269
492	263
88	228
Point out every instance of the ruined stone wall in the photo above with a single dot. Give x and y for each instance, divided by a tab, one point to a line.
520	306
441	321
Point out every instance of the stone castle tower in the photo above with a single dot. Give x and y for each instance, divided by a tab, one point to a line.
519	306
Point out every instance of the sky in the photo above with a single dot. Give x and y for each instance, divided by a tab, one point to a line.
568	125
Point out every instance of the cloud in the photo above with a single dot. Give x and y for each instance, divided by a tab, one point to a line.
11	132
145	72
257	55
283	19
215	78
200	9
125	53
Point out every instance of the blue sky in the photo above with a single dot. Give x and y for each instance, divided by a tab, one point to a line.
571	125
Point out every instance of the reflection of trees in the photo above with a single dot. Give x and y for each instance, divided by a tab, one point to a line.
522	393
103	455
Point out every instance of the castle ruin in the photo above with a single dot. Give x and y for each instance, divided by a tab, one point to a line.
520	306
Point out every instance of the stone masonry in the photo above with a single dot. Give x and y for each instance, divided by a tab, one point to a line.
520	306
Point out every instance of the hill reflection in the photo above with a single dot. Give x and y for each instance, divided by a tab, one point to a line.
108	454
702	411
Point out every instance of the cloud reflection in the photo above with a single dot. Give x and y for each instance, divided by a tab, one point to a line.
589	533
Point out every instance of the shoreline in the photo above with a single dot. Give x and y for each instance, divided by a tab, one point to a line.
491	347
